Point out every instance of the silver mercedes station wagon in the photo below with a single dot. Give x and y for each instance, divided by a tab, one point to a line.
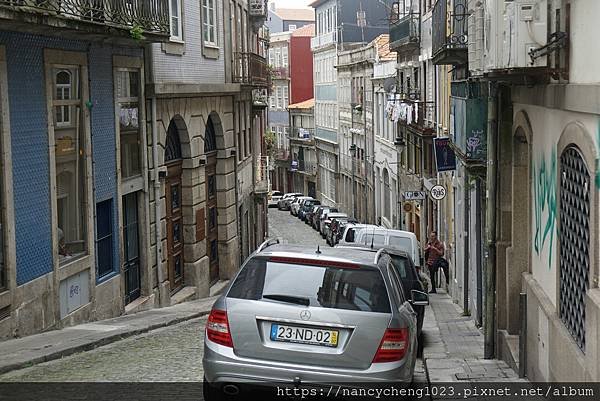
308	317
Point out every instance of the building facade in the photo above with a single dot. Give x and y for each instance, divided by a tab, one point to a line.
133	174
302	148
74	187
340	25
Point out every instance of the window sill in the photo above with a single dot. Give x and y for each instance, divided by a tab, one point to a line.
176	40
5	298
176	48
106	277
74	266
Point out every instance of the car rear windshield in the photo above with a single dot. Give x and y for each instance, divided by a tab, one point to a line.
375	239
327	287
402	243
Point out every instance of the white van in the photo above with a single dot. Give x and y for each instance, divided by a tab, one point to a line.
349	235
401	240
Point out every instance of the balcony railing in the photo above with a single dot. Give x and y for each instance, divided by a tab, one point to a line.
450	33
152	16
282	154
405	33
302	134
304	166
262	182
251	69
323	40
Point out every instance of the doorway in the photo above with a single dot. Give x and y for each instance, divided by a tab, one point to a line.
131	248
212	237
173	161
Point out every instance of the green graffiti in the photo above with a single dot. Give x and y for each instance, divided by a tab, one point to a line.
544	199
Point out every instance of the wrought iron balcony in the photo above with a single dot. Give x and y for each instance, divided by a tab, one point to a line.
304	166
405	33
449	33
280	72
133	17
302	135
251	69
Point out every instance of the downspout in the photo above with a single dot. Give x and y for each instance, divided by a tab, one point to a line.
490	271
155	179
467	211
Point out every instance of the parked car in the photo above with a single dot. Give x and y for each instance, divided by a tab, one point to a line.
287	199
306	208
397	239
274	197
326	221
349	235
320	215
315	216
336	228
295	205
308	219
284	320
408	275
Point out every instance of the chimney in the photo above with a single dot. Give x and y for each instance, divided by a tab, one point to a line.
272	6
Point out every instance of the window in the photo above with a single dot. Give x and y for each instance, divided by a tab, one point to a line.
285	97
292	28
326	287
104	240
175	14
284	56
128	87
209	21
69	137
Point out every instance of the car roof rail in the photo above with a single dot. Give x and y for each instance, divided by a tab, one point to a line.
267	243
378	255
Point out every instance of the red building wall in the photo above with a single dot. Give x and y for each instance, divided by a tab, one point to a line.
301	69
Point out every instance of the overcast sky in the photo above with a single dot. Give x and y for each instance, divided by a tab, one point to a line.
293	3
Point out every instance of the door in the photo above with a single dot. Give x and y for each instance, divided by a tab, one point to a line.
174	226
131	267
212	238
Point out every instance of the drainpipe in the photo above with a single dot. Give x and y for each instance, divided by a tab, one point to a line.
156	176
466	223
490	270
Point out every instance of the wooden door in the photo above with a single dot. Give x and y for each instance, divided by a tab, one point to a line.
212	237
174	226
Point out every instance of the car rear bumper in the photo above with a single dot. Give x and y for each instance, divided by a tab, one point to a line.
221	365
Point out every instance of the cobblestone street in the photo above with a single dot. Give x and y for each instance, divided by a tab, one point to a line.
171	354
292	230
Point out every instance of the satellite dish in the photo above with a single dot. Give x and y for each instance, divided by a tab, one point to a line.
390	85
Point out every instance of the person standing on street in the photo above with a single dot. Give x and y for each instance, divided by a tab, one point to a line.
434	250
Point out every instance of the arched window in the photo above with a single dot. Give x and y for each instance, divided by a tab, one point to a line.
173	147
64	86
210	141
574	238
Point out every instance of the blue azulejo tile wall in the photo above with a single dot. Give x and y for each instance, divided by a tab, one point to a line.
29	141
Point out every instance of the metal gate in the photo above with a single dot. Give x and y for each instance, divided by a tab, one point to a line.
574	237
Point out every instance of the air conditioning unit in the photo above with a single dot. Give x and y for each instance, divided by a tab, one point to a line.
525	29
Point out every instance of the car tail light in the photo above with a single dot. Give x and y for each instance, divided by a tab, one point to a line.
393	346
217	328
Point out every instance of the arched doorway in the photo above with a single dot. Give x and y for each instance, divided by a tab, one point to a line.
173	188
212	237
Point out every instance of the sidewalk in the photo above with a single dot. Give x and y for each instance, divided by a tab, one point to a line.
27	351
453	349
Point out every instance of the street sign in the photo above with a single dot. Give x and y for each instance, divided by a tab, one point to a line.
415	195
438	192
445	158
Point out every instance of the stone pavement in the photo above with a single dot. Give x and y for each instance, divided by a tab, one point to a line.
453	351
51	345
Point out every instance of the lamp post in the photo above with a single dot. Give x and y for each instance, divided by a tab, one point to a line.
353	155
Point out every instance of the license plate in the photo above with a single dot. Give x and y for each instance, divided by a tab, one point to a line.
304	335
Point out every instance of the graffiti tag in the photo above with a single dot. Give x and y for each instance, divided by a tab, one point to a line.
545	205
473	143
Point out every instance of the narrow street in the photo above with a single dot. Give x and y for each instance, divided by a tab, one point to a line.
170	354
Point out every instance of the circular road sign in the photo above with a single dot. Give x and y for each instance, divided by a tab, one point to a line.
438	192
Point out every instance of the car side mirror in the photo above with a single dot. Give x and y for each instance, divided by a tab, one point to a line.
419	298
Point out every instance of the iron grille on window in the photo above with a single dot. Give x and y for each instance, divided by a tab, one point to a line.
574	238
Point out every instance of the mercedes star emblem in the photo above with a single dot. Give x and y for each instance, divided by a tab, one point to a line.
305	314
